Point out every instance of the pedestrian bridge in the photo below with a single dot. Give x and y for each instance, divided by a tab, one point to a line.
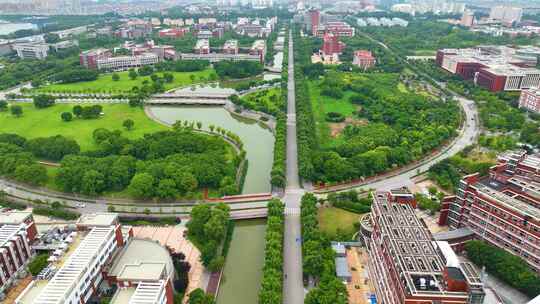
193	95
186	101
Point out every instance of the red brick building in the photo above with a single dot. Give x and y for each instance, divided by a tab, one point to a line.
363	59
314	19
530	100
173	33
406	265
17	233
332	45
89	58
502	208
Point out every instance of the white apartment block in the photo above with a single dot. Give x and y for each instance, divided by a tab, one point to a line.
78	277
31	50
15	252
126	62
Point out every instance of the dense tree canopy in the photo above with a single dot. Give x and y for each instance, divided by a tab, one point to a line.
238	69
272	281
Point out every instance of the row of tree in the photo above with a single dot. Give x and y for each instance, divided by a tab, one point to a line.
305	122
20	165
207	229
318	258
51	148
272	281
237	69
510	268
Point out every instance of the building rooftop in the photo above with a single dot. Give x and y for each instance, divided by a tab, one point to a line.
342	267
142	260
98	219
7	232
508	201
14	217
230	44
68	276
202	43
258	44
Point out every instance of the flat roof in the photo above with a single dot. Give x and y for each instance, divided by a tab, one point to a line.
123	295
98	219
508	201
142	260
13	217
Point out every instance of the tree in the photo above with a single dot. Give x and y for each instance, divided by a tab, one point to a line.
166	189
38	264
33	174
142	185
115	77
132	74
77	110
198	296
3	105
66	116
111	208
128	124
168	77
51	38
16	110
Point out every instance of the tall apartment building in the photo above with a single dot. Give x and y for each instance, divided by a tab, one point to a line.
507	14
496	68
406	265
530	100
467	19
89	58
503	208
17	232
31	50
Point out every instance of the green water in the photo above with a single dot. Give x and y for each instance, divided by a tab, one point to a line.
258	141
242	274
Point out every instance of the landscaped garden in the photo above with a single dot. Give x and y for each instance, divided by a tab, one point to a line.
268	101
106	84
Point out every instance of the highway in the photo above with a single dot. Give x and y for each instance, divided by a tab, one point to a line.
293	288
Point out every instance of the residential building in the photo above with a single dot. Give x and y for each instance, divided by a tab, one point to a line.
314	20
135	28
89	58
530	100
338	28
467	19
363	59
502	208
331	44
31	50
202	46
218	32
17	233
230	47
406	265
126	62
207	20
172	33
506	14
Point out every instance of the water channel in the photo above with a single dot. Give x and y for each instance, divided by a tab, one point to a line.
242	274
258	141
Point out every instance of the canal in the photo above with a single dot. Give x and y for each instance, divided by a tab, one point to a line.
242	274
258	141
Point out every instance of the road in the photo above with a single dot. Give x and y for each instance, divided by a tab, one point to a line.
293	288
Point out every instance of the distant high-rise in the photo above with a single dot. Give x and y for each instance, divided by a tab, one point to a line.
506	14
467	19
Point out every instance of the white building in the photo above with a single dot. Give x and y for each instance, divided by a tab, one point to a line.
31	50
507	14
126	62
79	275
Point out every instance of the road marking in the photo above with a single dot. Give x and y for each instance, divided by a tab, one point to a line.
292	211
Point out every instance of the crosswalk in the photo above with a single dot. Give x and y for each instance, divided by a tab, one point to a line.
292	211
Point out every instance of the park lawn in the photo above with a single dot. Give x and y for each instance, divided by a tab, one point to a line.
322	105
105	84
47	122
331	219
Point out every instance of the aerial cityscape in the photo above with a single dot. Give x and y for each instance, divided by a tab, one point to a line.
270	152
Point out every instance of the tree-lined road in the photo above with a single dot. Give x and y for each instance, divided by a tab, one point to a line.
293	288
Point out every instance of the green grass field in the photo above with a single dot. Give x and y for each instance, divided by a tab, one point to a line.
322	105
47	122
105	84
331	219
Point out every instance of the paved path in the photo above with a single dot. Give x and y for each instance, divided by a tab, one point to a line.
293	289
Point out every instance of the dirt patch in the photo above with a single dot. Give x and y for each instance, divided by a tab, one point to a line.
337	127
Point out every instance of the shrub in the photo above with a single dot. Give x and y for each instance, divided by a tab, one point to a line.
38	264
334	117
